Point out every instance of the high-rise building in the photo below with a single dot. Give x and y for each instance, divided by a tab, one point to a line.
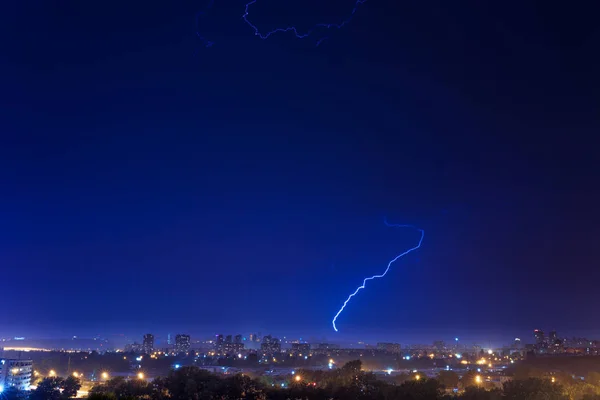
539	336
237	339
541	341
228	339
219	344
182	343
148	343
301	348
270	345
15	373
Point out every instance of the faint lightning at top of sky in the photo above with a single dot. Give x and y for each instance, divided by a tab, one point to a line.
204	39
293	29
358	289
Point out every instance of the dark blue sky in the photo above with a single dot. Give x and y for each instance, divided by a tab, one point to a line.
151	184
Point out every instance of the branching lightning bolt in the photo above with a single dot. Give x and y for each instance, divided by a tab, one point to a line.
293	29
384	273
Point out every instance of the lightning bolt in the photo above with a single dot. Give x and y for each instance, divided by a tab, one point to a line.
205	41
384	273
293	29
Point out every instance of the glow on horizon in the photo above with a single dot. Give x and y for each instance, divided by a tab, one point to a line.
384	273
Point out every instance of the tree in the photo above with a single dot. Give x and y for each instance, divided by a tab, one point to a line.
469	379
448	379
192	383
243	387
426	389
70	386
579	389
102	396
524	371
478	393
593	378
122	388
352	367
48	389
591	397
533	389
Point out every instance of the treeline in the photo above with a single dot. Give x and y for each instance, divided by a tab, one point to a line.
346	383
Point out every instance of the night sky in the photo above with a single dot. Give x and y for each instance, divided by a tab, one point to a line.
148	183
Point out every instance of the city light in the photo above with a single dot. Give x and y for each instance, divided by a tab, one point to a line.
478	379
14	371
104	375
490	352
140	375
417	377
177	366
298	378
553	379
75	374
52	372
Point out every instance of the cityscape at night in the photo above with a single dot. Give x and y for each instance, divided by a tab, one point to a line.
299	200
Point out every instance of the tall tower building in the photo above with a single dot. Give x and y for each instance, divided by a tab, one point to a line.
539	336
219	343
182	343
148	343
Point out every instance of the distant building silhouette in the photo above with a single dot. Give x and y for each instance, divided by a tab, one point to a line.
148	343
182	343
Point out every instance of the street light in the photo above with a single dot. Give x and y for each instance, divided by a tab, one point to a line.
140	375
478	379
553	379
75	374
104	375
298	378
417	377
52	372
